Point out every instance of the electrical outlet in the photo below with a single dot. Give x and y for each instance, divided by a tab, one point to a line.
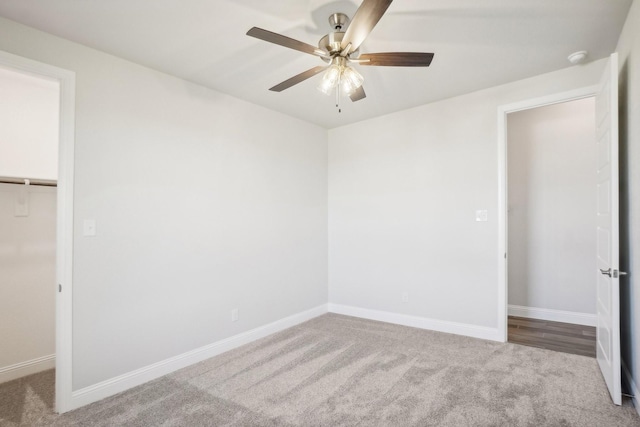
405	297
234	315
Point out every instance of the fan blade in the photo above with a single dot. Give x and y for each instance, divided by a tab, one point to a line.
396	59
297	79
365	18
285	41
358	94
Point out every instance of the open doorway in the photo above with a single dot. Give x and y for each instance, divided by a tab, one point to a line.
37	209
29	141
606	258
551	217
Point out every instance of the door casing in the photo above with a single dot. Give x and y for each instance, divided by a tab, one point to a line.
64	218
503	111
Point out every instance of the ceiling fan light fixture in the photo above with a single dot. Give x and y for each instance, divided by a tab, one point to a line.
340	74
351	80
330	79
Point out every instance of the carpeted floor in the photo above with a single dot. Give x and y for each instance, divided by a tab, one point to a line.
342	371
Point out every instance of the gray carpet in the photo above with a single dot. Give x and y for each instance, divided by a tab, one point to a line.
342	371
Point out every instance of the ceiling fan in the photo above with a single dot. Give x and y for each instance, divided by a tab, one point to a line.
340	48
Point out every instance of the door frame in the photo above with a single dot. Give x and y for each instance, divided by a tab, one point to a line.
503	110
64	219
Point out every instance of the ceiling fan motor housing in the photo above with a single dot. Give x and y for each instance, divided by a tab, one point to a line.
331	42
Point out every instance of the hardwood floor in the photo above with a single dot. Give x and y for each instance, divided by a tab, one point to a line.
563	337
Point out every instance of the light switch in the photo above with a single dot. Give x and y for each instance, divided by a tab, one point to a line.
89	227
482	216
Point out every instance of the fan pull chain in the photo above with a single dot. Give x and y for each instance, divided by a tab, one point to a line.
338	96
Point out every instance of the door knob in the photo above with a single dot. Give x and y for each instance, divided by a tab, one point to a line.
617	273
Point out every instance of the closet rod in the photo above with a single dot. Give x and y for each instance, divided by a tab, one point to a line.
23	181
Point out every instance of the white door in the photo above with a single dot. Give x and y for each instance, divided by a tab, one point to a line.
608	302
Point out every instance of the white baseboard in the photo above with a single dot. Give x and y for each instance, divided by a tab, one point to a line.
553	315
632	385
29	367
140	376
465	329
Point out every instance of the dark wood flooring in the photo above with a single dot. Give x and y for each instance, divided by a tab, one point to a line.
564	337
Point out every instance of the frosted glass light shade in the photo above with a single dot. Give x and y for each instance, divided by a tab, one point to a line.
350	80
338	73
330	79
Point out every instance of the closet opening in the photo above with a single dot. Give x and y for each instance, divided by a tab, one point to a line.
29	167
37	111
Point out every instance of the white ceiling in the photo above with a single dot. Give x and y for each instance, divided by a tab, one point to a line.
477	44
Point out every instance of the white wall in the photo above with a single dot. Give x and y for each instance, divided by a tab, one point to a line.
552	207
629	51
27	280
203	203
29	109
403	191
